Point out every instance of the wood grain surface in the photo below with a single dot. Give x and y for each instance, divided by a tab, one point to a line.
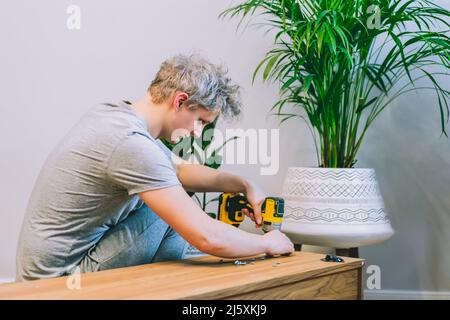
301	275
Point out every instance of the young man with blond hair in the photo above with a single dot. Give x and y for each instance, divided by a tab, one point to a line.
111	195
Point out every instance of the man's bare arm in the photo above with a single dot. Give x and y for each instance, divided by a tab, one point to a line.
199	178
211	236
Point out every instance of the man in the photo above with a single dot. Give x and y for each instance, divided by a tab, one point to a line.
109	195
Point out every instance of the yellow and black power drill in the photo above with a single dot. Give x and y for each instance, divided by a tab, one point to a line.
231	205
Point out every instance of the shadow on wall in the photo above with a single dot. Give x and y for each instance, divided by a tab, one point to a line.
412	162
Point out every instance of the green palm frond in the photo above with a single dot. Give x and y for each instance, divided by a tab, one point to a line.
341	71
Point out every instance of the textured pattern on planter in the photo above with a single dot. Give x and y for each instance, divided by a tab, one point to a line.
330	189
334	207
333	215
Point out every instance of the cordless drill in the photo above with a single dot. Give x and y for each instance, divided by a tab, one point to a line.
231	206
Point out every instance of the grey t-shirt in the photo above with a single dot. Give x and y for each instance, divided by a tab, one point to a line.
88	184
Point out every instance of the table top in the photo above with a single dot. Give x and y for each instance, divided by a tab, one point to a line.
198	278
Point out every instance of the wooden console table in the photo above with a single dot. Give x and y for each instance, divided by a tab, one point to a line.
301	275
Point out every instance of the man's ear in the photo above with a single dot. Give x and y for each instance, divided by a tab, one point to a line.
179	99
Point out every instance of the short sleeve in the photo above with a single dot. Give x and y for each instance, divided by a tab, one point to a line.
139	164
164	148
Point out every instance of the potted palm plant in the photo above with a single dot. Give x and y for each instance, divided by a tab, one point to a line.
339	64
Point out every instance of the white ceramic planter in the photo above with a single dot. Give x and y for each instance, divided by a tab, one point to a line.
340	208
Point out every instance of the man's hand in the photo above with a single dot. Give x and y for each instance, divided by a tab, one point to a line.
279	243
256	198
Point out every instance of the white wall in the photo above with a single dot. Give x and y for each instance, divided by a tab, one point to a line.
50	76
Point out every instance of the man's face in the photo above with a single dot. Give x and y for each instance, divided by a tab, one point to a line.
185	122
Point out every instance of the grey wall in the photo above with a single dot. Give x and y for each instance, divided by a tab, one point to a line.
50	76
